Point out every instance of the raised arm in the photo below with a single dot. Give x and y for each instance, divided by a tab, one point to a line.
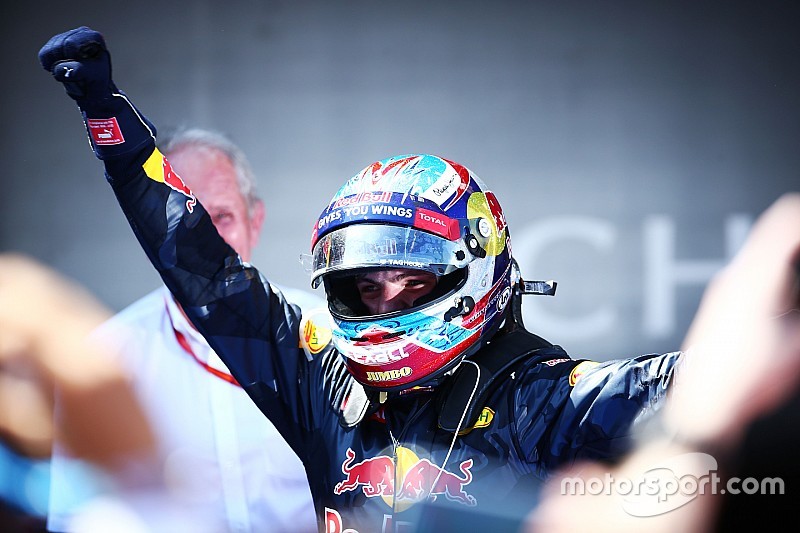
252	328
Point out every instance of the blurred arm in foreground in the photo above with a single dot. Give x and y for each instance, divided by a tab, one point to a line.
735	393
45	321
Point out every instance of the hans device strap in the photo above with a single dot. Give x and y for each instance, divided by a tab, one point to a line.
464	394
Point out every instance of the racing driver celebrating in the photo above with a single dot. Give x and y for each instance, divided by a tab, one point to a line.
418	388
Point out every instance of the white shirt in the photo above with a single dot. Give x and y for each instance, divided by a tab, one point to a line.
221	454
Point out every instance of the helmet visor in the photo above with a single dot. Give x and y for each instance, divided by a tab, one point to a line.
384	246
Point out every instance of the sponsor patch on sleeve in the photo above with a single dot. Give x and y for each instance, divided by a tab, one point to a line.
554	362
105	131
315	335
484	420
158	168
579	371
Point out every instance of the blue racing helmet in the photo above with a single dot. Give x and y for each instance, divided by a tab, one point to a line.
413	212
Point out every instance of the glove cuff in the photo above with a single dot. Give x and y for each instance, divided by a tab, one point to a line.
115	127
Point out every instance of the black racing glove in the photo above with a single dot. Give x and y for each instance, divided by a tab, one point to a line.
80	60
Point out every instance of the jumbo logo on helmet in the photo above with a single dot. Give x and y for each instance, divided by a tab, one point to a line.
389	375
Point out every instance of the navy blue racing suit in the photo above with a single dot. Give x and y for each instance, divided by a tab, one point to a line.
385	470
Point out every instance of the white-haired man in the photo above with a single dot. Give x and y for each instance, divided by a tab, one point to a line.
227	458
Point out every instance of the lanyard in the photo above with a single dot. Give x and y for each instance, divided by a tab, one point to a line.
184	343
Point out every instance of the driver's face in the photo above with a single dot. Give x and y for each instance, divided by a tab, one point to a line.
384	291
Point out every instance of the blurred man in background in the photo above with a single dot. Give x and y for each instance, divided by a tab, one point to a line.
227	455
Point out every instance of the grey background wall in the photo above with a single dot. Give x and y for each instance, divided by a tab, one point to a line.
629	142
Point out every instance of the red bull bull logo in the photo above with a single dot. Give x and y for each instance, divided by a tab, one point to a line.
374	475
158	169
415	480
426	480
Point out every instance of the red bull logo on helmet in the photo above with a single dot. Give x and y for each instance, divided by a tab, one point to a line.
412	481
158	169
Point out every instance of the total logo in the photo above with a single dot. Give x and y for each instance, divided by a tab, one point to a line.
421	479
